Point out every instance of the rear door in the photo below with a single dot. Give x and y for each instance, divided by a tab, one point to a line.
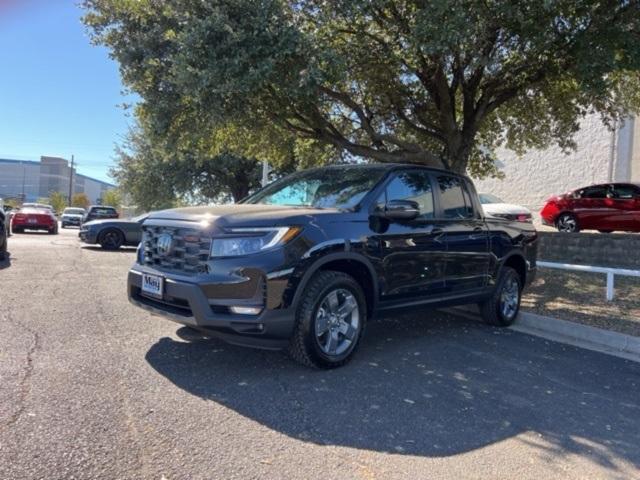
414	251
466	233
625	200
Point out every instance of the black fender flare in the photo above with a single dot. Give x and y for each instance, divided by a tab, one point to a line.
517	253
331	257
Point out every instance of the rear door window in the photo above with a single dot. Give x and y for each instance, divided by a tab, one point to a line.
625	192
454	198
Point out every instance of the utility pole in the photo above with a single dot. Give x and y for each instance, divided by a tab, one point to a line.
24	175
71	180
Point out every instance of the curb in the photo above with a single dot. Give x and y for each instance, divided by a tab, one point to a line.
570	333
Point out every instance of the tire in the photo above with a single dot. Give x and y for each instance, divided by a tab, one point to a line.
64	225
17	230
605	231
3	249
493	310
53	231
321	339
567	223
111	239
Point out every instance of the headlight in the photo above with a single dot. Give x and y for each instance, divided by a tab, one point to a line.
245	241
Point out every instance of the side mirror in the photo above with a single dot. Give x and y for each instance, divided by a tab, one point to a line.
401	210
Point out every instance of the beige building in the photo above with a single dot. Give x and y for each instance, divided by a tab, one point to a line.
602	156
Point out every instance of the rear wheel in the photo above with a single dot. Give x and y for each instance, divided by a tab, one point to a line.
330	321
53	230
502	308
111	239
567	223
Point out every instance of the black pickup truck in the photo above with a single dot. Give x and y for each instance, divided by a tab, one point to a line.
304	263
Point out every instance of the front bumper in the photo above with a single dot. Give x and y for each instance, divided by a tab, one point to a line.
71	221
185	302
87	236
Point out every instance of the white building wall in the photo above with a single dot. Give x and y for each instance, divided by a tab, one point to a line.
533	177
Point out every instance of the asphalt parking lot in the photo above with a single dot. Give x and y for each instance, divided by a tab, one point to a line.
91	387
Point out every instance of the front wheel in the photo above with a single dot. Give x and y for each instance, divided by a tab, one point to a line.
111	239
502	308
330	321
567	223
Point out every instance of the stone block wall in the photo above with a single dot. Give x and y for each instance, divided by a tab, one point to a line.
596	249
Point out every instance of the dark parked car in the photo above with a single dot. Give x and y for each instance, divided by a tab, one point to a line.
97	212
305	262
112	234
607	207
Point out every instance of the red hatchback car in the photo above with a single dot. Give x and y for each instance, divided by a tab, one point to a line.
606	208
34	219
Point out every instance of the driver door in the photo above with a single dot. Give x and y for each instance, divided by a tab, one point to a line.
413	252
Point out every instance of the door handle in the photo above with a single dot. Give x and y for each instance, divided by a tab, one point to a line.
437	233
434	230
478	233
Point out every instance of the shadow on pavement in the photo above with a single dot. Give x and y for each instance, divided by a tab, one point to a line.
98	248
435	386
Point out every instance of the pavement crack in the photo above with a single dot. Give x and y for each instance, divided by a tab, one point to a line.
24	387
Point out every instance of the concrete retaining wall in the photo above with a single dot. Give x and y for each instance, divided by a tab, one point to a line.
597	249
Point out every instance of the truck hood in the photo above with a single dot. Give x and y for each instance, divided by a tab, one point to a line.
239	214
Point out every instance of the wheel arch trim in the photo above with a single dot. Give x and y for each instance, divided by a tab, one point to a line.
332	257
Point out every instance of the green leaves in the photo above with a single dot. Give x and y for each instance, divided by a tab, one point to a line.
423	81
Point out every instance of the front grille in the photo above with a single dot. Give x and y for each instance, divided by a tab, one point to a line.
189	252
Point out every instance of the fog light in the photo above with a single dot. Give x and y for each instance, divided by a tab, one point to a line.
246	310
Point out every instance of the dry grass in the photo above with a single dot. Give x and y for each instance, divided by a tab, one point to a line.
580	298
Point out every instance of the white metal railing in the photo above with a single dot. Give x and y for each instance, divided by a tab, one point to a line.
610	272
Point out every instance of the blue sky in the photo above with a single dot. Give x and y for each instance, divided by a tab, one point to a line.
59	95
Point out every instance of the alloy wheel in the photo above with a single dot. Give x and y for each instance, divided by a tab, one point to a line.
337	322
567	223
111	239
510	298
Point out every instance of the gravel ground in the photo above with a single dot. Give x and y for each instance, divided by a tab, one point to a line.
580	297
94	388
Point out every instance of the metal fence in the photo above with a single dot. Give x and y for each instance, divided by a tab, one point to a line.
609	272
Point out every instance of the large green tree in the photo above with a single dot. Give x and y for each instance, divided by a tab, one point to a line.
437	82
157	173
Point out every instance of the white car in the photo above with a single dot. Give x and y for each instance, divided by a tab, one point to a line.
496	207
72	216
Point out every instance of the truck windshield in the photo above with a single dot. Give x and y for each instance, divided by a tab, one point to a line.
341	188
